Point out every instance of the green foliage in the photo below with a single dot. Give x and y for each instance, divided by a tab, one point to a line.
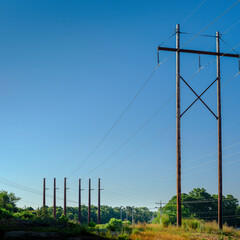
62	220
114	224
25	215
165	220
92	224
205	207
126	227
126	223
5	214
123	236
8	200
193	223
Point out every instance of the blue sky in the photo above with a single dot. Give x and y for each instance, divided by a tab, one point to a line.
69	68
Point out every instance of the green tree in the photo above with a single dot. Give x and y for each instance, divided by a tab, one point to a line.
201	204
8	201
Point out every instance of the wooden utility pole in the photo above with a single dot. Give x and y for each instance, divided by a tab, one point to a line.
89	201
219	112
65	198
218	54
121	213
178	127
44	193
79	202
160	203
54	198
132	215
99	201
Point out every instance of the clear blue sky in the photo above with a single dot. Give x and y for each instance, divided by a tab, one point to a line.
69	68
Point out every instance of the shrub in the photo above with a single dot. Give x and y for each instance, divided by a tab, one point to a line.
24	215
123	236
62	220
92	224
165	220
5	214
114	224
126	223
193	223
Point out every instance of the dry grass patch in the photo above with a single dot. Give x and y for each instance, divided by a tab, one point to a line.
207	231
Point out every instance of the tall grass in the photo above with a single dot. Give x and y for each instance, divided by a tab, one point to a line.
191	229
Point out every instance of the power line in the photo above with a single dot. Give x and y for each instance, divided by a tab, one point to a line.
140	90
116	122
235	24
193	12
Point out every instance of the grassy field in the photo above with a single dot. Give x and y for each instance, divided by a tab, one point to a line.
187	231
116	229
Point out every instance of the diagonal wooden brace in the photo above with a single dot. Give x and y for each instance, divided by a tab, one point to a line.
199	97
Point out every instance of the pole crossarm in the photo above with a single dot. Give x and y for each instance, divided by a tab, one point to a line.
198	52
199	97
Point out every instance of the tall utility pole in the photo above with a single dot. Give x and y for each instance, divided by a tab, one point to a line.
65	198
178	127
219	112
218	54
44	193
54	198
89	201
99	201
79	202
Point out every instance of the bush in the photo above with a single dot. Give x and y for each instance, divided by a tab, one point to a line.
62	220
123	236
24	215
193	223
126	223
5	214
165	220
92	224
126	227
115	224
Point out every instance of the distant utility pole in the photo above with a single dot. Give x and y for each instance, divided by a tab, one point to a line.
79	202
65	198
99	201
89	201
132	215
160	209
121	213
44	193
54	198
218	54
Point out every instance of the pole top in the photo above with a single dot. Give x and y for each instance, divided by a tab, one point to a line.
177	27
217	34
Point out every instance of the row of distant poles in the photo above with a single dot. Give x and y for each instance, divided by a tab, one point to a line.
79	199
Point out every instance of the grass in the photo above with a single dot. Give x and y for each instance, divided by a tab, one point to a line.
192	229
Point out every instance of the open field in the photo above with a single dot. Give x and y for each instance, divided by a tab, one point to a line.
192	229
206	231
